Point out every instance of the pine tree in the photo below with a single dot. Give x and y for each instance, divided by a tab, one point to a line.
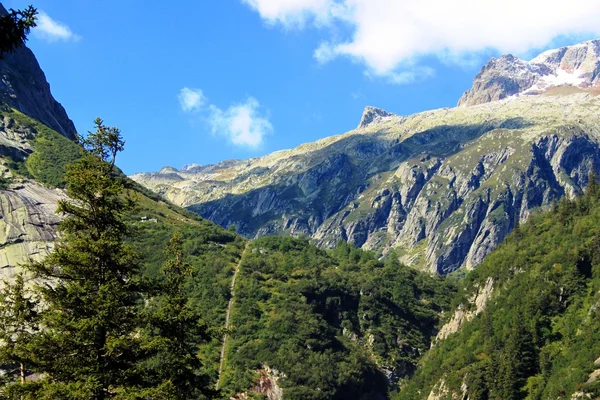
89	345
593	188
174	333
14	28
19	321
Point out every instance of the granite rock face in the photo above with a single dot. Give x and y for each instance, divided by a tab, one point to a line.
28	224
23	86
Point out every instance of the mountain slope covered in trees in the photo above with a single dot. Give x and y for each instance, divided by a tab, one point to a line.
539	335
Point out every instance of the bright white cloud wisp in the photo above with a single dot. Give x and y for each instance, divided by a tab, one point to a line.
294	13
53	31
242	125
191	99
390	36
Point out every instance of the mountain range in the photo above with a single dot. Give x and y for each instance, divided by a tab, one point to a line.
440	188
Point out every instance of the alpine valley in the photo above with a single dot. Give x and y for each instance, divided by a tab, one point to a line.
451	254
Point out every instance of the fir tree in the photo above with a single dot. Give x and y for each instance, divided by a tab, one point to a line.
89	345
14	28
174	334
19	321
593	189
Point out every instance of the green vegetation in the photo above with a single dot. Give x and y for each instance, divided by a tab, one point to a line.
18	324
4	182
540	333
329	322
140	287
52	152
103	328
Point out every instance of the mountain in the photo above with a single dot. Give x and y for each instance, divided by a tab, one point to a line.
440	188
576	66
36	142
23	86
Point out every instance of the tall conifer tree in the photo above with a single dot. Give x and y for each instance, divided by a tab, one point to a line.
19	322
88	347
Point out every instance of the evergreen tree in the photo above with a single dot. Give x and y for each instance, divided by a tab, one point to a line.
14	28
593	188
89	344
174	333
19	321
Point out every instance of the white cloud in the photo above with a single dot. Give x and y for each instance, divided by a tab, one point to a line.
52	31
386	35
191	99
415	74
295	13
242	124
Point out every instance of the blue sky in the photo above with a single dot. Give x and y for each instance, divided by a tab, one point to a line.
204	81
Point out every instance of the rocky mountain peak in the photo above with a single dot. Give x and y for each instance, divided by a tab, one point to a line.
23	86
577	66
373	115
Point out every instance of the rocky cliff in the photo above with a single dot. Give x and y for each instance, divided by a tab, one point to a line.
23	86
442	188
576	66
27	208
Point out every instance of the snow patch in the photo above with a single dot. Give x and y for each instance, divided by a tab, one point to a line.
559	78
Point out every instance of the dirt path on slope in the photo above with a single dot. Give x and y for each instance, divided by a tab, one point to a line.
229	306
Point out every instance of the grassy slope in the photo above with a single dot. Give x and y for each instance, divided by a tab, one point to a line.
540	333
52	151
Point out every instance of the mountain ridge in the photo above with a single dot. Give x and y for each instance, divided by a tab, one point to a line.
23	86
391	184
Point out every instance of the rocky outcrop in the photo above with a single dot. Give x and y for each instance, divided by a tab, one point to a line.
577	66
23	86
440	391
15	140
373	115
28	223
464	314
266	384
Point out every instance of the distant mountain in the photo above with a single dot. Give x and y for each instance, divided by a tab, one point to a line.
577	66
443	187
